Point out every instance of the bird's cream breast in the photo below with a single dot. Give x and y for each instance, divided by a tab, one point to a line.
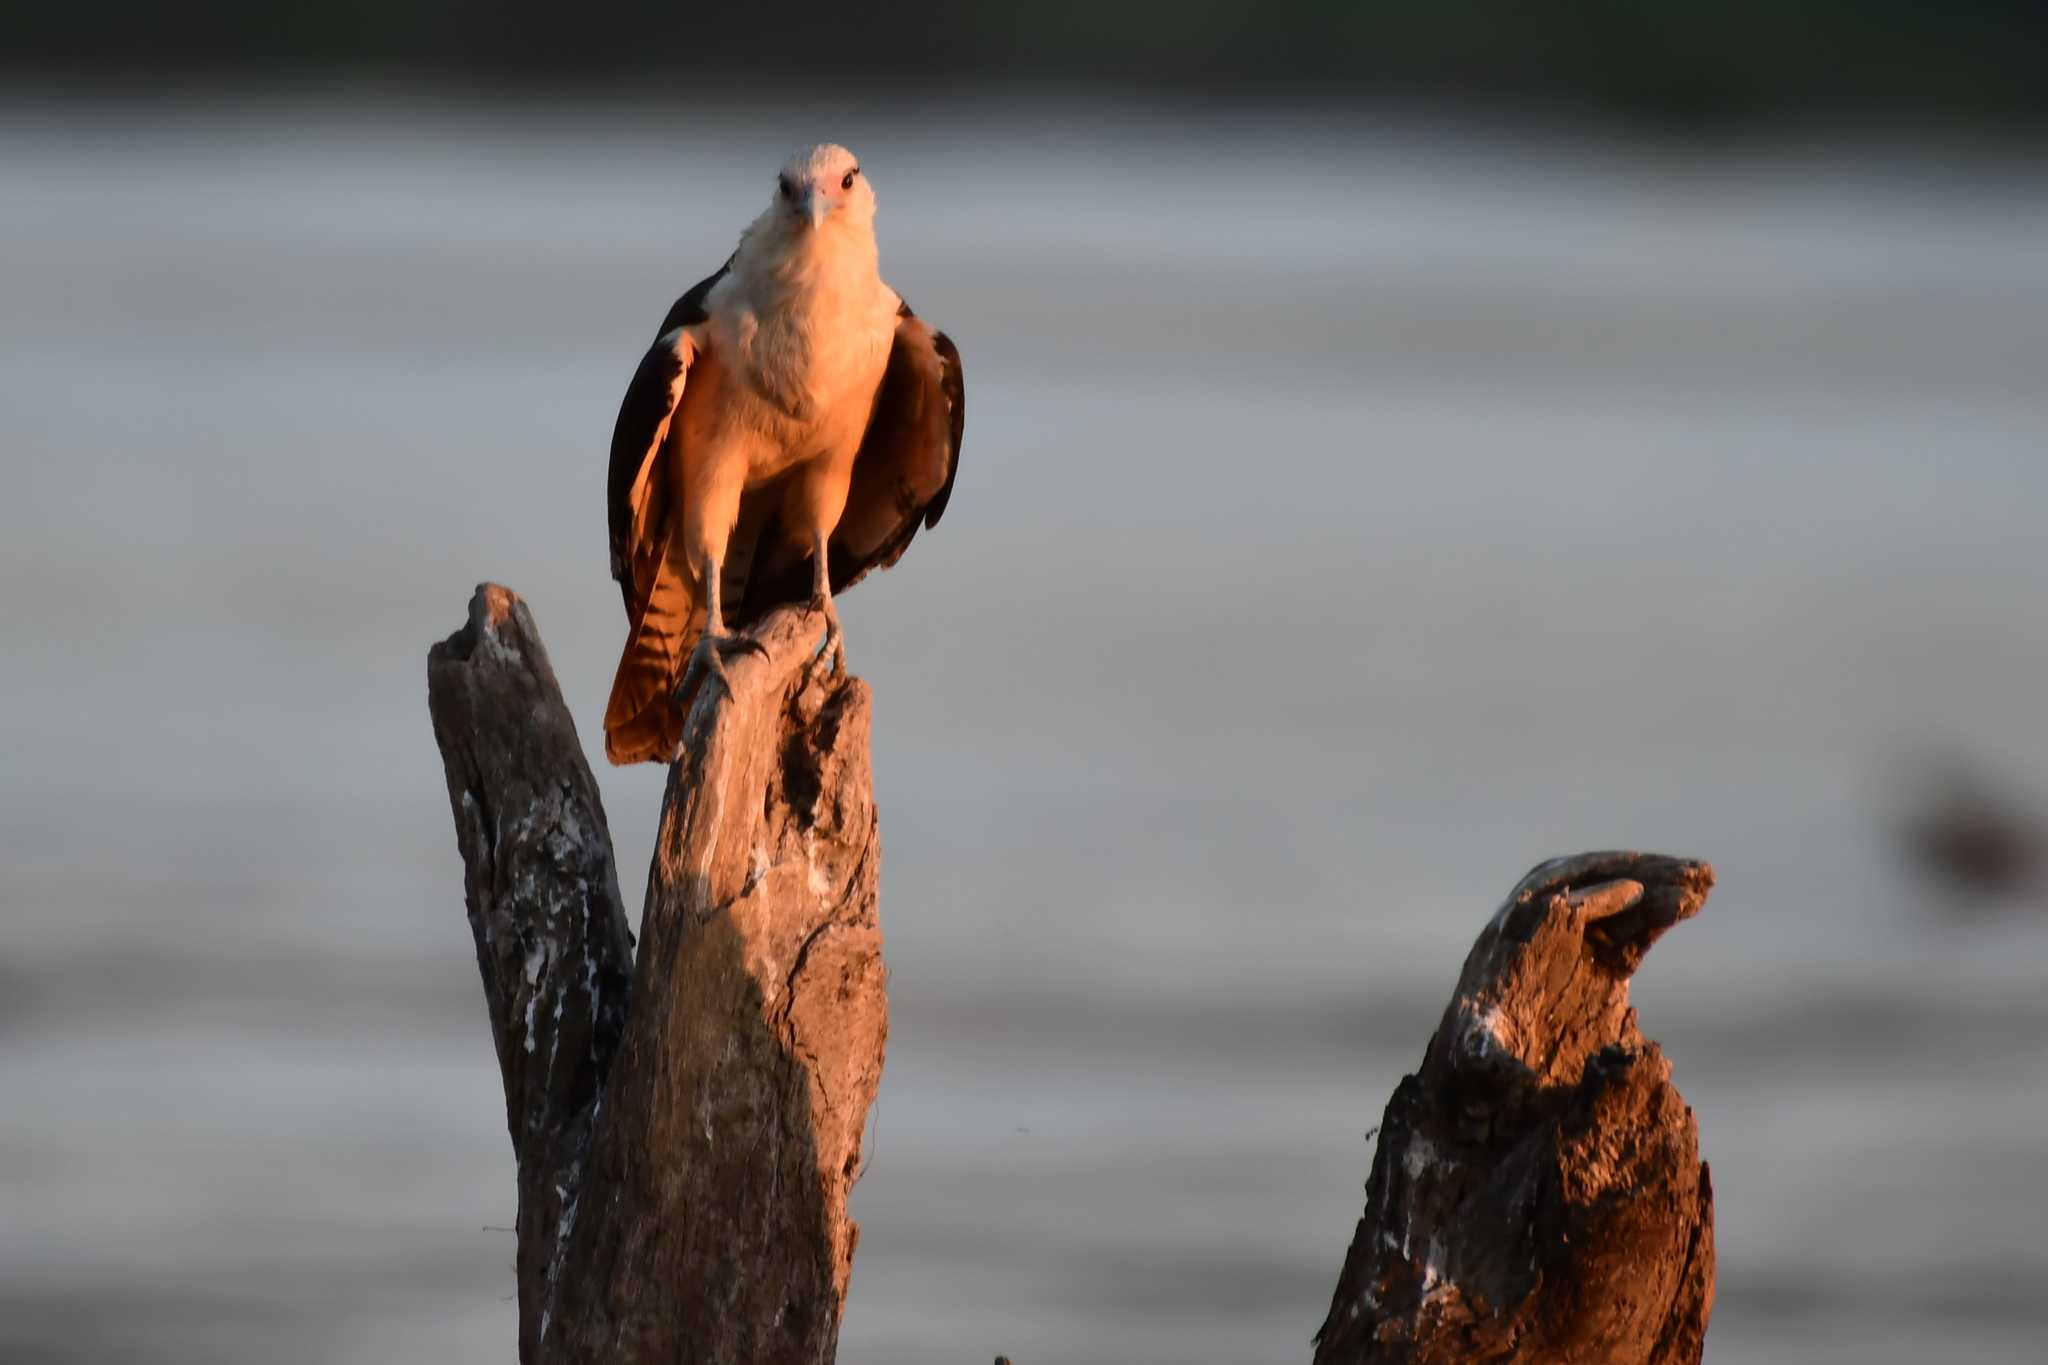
804	324
807	373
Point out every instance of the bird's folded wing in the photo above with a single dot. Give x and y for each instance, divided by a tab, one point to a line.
903	473
636	504
641	721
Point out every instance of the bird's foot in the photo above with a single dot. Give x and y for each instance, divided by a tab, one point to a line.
707	660
834	651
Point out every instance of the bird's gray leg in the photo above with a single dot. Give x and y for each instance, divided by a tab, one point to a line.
821	600
708	658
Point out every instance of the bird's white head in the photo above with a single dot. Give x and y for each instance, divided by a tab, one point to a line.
821	186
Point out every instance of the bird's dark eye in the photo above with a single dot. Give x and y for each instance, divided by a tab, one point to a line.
847	183
788	188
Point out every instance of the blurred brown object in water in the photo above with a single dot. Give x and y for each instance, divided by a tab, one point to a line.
1972	839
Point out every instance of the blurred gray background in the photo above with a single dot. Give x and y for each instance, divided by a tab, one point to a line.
1377	479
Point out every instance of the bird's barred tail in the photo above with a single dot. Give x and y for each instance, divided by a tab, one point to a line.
642	723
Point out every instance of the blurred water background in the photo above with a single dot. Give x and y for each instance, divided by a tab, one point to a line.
1357	507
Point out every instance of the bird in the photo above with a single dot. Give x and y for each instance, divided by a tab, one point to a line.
792	427
1976	842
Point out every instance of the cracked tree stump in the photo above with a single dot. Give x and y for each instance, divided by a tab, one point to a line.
685	1142
1537	1192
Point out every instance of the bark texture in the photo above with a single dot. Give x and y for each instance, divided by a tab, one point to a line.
1537	1192
687	1197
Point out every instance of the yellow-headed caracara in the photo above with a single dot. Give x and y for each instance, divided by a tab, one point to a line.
790	429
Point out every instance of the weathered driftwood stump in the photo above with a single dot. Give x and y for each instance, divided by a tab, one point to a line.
685	1144
688	1124
1537	1194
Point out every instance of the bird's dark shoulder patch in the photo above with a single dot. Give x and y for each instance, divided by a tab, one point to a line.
689	310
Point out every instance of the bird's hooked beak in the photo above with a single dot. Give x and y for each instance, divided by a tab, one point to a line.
812	206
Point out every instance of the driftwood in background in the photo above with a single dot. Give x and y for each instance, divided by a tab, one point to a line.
688	1125
684	1159
1537	1194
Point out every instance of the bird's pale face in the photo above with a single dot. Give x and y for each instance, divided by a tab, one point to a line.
824	184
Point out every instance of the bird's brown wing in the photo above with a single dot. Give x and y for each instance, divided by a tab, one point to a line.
642	430
903	473
641	722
